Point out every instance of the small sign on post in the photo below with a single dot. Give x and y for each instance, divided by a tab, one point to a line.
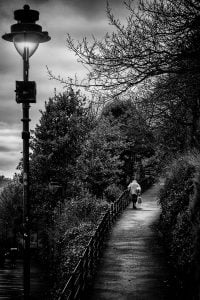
25	92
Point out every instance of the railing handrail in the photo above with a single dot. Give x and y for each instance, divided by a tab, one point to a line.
97	240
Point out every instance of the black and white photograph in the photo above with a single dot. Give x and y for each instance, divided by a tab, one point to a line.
100	150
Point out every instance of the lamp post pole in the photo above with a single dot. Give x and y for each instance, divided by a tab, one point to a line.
26	194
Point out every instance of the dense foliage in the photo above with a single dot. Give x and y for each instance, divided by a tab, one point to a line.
11	214
58	138
74	226
99	164
180	220
56	146
133	125
171	105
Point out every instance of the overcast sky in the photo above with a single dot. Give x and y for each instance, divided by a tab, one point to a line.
79	18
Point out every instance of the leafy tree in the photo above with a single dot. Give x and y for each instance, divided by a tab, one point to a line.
56	144
135	130
120	138
172	106
158	41
57	140
99	164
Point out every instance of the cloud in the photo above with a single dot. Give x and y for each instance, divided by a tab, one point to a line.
10	148
87	8
8	163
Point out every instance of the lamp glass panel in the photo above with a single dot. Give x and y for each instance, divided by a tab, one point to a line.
26	42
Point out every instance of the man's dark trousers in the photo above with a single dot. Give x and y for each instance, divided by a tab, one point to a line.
134	200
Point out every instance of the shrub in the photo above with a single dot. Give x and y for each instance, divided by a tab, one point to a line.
180	217
67	253
182	247
175	196
112	192
73	229
83	208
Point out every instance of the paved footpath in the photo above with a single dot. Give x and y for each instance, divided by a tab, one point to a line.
134	266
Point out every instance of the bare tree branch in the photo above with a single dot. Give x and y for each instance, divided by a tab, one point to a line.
159	37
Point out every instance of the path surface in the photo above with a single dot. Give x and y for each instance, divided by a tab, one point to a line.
134	266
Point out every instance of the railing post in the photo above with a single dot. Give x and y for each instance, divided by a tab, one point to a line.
90	259
72	294
93	256
85	268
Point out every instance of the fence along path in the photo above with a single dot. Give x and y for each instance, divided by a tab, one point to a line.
86	267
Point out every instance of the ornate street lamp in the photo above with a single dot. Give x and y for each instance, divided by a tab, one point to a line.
26	36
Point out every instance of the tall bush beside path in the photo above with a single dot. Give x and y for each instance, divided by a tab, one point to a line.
180	217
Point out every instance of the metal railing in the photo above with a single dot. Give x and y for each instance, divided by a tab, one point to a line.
85	269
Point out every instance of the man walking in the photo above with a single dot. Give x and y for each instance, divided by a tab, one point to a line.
134	190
